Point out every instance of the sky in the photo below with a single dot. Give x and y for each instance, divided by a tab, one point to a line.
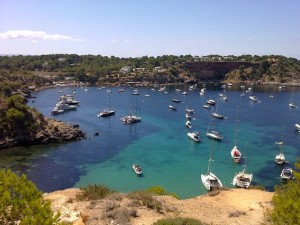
135	28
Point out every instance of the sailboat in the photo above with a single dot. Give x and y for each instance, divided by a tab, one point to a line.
216	114
235	153
212	133
132	117
210	180
280	158
243	179
107	112
291	103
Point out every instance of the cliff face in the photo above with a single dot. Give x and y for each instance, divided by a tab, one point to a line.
214	70
51	131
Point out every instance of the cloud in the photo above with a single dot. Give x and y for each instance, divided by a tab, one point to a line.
36	35
114	40
127	41
34	41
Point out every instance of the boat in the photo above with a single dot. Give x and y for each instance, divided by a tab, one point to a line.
195	136
218	115
107	112
172	107
206	106
189	110
253	98
69	99
243	179
280	158
211	102
188	116
287	174
235	153
210	180
135	92
57	111
137	169
214	135
188	124
291	103
176	100
132	117
297	125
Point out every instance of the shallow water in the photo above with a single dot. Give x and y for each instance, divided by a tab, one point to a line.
159	143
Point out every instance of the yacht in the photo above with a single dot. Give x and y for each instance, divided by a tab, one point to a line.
176	100
253	98
206	106
211	102
297	125
172	107
195	136
214	135
188	124
242	179
280	158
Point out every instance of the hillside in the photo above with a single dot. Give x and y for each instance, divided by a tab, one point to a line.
231	207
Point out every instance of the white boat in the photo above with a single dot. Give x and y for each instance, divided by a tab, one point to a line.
253	98
64	106
107	112
235	153
176	100
211	102
214	135
195	136
188	116
188	124
132	117
243	179
137	169
210	180
189	110
216	114
184	93
135	92
280	158
57	111
172	107
206	106
69	99
287	174
291	103
297	125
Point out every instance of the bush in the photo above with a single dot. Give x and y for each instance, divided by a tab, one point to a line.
94	192
145	198
179	221
22	203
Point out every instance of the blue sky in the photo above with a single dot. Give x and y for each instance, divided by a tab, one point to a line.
133	28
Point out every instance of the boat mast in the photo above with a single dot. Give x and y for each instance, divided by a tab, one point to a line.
236	125
245	157
210	156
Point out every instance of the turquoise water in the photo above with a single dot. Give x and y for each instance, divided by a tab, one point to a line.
159	143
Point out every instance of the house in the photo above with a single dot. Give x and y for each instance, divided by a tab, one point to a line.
125	69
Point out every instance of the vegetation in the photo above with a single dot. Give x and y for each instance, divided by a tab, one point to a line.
22	203
94	192
179	221
286	201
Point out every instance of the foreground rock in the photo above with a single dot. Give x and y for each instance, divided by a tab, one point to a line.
51	131
235	206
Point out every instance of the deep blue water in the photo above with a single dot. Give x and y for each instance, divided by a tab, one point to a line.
159	143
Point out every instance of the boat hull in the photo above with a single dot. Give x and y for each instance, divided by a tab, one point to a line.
210	181
242	179
236	154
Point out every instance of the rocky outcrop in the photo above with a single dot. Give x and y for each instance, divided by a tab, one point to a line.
52	131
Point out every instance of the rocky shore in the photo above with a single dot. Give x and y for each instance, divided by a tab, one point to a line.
52	131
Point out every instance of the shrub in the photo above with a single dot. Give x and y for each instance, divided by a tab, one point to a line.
22	203
179	221
145	198
94	192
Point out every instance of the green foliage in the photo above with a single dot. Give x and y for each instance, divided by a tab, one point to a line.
179	221
158	190
286	201
145	198
22	203
94	192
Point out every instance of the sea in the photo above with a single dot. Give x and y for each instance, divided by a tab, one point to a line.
159	143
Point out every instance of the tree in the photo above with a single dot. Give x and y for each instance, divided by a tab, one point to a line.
22	203
286	201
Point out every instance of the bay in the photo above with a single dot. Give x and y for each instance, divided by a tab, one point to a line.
159	143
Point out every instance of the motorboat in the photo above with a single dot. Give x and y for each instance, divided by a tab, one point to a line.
218	115
135	92
292	105
211	102
242	179
188	124
297	125
176	100
172	107
195	136
189	110
210	180
137	169
214	135
236	154
131	118
57	111
253	98
206	106
287	174
188	116
280	158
